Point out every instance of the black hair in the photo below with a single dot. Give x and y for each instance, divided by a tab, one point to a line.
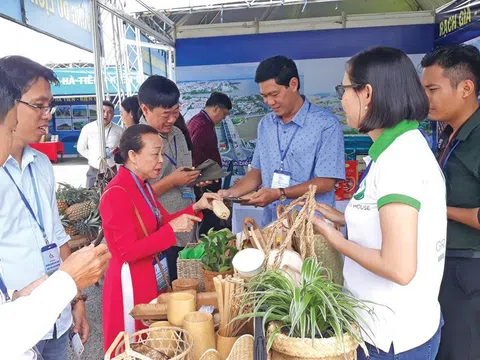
132	140
459	62
131	105
397	91
182	126
279	68
9	93
158	91
25	72
109	104
219	99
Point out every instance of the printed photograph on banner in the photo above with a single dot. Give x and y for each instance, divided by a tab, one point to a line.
63	124
92	112
79	123
237	134
63	111
79	111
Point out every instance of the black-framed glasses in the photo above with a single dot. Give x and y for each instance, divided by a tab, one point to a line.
46	110
340	89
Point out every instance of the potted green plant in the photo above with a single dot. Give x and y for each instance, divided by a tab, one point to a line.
315	320
219	253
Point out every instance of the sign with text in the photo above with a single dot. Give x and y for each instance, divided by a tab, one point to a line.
12	9
457	17
68	20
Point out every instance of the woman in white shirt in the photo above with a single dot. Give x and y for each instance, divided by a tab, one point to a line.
396	221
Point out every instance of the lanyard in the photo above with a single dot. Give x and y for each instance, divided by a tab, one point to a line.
154	209
283	154
108	133
364	175
444	163
173	161
39	221
3	289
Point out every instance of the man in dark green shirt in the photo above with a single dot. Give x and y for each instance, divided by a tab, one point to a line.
451	78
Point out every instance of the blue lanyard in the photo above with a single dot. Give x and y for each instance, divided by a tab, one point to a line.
173	161
283	154
455	144
3	289
364	175
39	221
154	209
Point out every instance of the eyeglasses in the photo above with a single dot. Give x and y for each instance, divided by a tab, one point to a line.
46	110
340	89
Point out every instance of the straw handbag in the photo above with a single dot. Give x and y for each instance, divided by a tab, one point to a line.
152	344
241	350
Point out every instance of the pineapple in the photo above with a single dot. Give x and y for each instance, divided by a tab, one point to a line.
62	206
89	226
80	211
68	226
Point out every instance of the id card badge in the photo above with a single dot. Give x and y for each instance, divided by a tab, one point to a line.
187	192
281	179
51	258
161	284
108	153
77	345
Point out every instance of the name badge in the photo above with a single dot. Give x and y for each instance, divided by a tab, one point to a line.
108	153
187	192
161	284
281	179
77	345
51	258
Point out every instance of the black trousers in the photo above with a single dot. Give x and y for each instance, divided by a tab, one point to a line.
460	302
172	256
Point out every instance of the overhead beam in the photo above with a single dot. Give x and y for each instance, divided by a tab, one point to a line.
136	23
159	14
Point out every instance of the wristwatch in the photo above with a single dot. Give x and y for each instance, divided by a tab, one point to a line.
283	196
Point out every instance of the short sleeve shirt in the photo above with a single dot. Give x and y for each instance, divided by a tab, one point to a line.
316	150
402	169
460	161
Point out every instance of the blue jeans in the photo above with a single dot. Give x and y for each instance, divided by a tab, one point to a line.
427	351
54	349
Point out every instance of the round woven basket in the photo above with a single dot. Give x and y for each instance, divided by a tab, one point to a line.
157	343
290	348
185	284
209	275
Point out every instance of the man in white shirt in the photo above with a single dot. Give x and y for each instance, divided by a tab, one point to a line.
88	147
45	303
33	241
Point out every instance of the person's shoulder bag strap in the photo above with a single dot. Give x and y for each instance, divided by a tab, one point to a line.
144	229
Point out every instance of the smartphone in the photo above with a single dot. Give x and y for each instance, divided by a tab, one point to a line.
236	200
188	169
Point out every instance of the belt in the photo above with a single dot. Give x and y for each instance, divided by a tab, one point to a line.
471	254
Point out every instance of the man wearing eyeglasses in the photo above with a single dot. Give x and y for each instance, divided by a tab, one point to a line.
88	146
33	241
299	144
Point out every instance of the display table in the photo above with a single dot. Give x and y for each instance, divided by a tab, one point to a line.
51	149
240	212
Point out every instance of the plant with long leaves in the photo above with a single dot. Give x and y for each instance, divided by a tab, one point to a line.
317	308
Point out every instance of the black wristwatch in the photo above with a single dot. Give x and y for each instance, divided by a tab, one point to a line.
283	196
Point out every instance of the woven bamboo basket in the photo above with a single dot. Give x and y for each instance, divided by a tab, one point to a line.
289	348
185	284
152	344
242	350
191	269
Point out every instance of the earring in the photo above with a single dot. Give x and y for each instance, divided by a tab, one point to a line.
366	107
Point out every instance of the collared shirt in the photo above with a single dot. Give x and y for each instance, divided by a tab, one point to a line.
20	237
316	151
204	139
402	170
39	310
88	146
462	175
176	148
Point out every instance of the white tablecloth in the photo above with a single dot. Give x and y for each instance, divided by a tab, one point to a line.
240	212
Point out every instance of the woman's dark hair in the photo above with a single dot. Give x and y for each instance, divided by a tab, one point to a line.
397	91
9	93
132	140
131	105
25	72
180	124
279	68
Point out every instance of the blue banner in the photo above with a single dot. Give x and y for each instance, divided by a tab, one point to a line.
458	22
82	81
12	9
68	20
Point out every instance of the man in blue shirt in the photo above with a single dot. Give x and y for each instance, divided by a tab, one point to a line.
299	144
32	238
